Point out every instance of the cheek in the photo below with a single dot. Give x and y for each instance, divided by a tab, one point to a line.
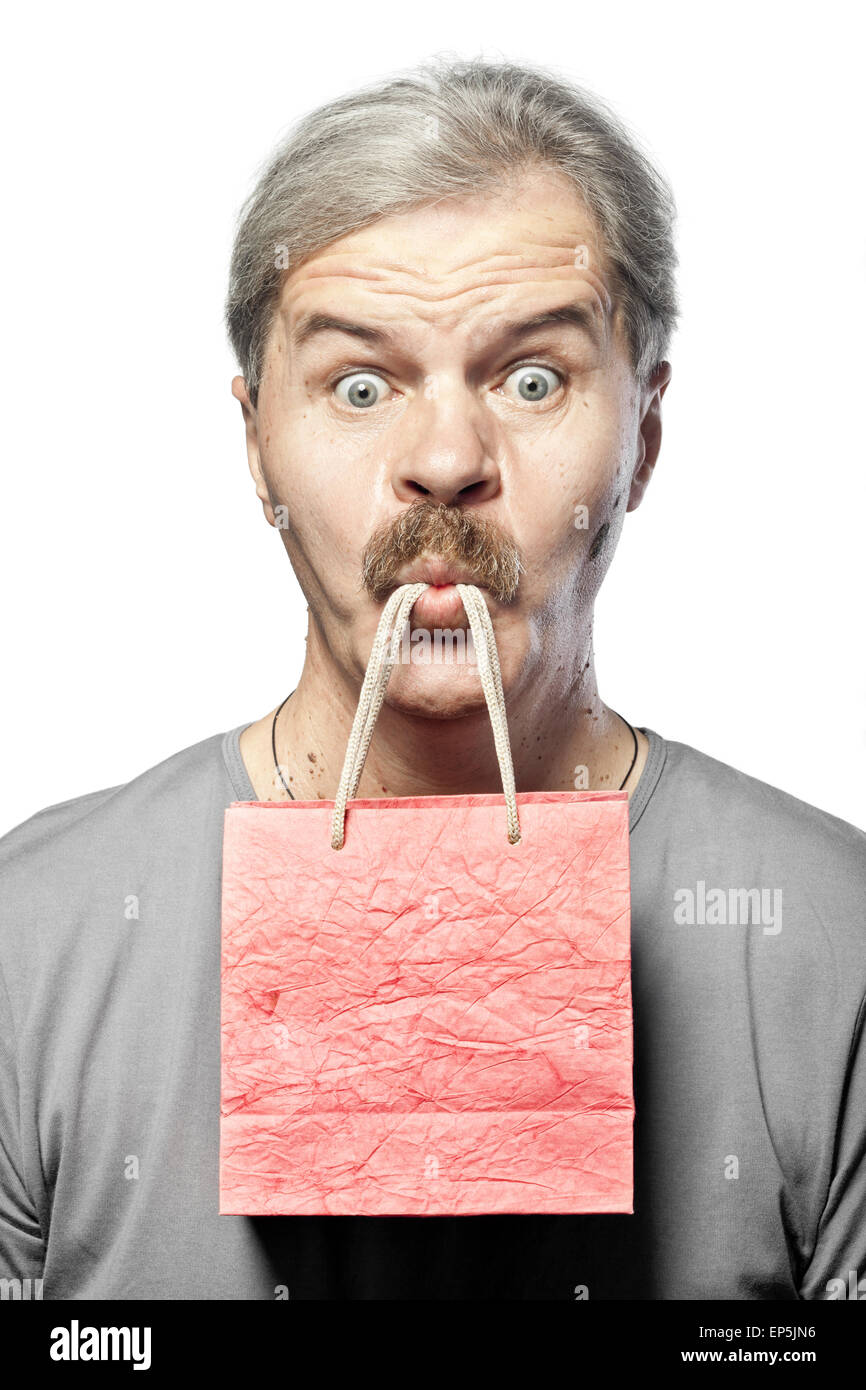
574	479
313	476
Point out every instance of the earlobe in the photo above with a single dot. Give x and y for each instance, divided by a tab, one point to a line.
240	393
639	483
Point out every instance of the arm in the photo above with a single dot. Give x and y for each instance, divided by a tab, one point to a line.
838	1266
21	1247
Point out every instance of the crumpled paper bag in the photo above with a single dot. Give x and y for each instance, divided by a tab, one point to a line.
432	1021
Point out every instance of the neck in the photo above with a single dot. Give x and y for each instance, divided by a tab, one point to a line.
558	726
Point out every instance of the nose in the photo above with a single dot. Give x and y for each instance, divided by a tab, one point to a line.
447	455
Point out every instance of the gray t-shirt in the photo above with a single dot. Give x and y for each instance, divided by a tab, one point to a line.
750	1063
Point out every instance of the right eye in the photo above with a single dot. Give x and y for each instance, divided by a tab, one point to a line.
361	389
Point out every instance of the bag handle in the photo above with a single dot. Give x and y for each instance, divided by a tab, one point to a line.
394	617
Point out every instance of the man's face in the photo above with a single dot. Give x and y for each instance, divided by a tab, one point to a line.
467	354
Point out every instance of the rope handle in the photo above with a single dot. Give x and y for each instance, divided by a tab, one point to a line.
394	617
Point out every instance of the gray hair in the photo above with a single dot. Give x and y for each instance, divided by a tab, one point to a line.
449	128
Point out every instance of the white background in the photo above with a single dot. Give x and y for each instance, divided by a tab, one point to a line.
147	604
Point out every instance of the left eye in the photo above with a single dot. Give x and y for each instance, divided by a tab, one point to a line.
531	383
361	389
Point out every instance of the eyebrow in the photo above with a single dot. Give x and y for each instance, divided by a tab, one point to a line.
314	324
575	315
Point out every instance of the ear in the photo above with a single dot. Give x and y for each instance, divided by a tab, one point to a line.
650	433
240	393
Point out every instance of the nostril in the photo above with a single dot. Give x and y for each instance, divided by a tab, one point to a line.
473	490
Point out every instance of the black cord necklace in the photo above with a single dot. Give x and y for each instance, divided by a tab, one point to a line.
274	745
288	789
634	755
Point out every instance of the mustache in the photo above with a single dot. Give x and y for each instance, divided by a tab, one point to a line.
455	534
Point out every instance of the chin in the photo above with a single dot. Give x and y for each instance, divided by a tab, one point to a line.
435	691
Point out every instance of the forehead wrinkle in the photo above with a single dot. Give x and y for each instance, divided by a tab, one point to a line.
559	252
542	243
479	267
443	251
395	288
373	264
504	321
486	281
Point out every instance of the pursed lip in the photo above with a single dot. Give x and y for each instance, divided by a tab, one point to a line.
440	606
432	569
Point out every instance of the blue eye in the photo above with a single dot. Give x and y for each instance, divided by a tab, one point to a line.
361	389
532	383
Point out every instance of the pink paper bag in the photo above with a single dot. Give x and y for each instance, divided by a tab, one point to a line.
435	1018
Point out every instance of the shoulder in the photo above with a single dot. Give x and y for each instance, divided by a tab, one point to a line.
723	798
176	777
732	830
55	855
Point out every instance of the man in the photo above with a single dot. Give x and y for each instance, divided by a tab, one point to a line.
451	299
